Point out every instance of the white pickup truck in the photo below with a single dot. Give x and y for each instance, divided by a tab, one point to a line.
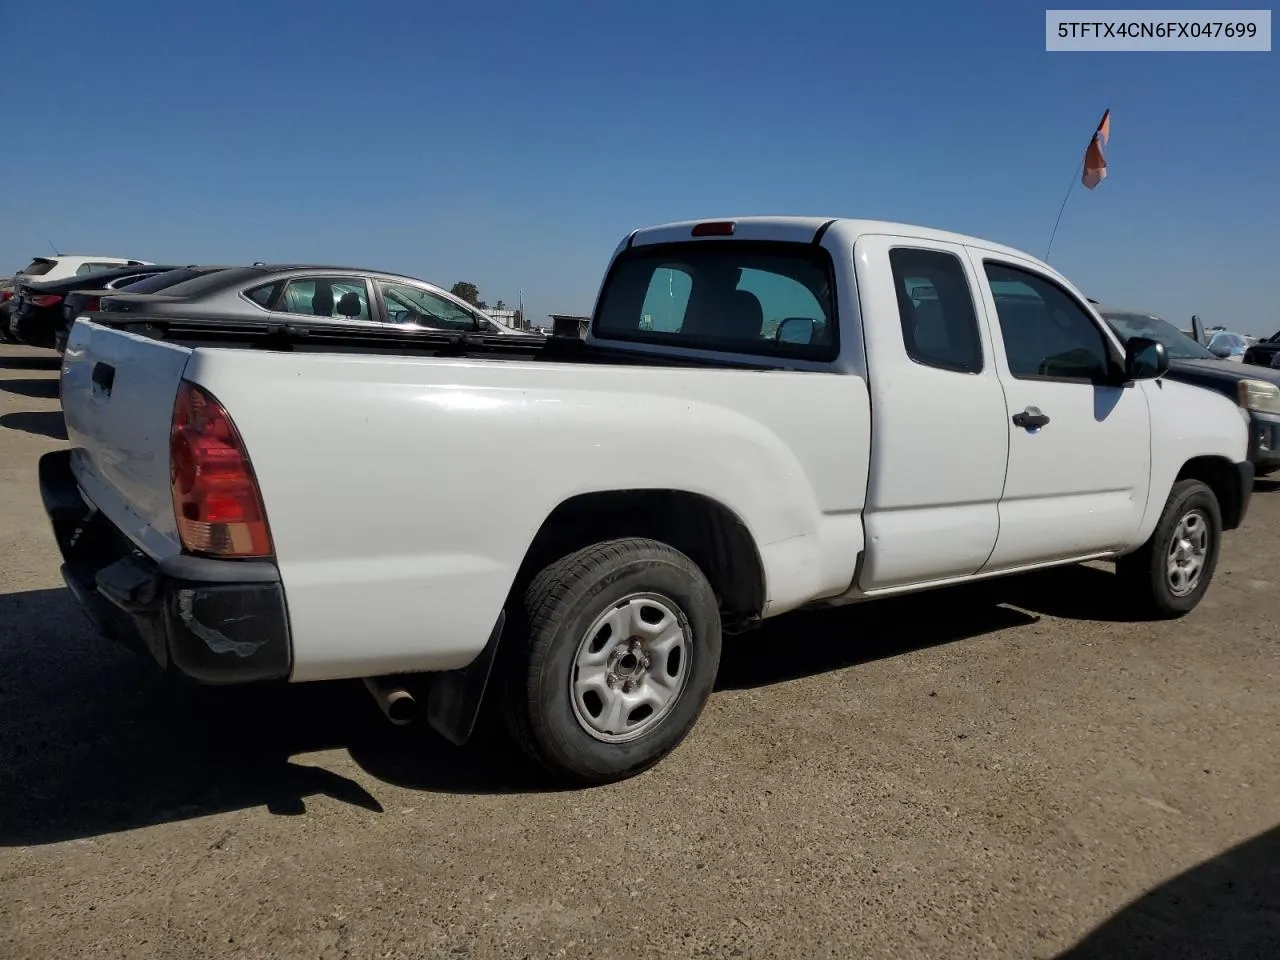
766	414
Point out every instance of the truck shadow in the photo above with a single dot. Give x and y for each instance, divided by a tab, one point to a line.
31	362
94	741
1228	906
42	423
39	388
823	640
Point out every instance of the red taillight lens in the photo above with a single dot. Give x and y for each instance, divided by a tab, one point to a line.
5	295
90	304
46	299
215	494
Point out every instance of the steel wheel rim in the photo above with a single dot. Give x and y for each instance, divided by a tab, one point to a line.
1188	553
630	668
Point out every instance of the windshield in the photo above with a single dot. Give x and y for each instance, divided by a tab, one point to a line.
1177	343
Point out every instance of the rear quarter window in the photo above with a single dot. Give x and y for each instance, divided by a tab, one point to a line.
766	299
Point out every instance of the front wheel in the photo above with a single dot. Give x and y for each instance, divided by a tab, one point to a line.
622	652
1170	573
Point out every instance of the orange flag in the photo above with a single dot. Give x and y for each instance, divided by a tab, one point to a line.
1095	164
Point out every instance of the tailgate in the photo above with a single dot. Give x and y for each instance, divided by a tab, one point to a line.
118	392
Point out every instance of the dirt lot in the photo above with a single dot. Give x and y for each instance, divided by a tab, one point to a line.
1007	771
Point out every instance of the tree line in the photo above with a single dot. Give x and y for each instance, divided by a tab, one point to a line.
471	294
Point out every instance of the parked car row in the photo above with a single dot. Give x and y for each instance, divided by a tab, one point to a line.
42	305
1264	353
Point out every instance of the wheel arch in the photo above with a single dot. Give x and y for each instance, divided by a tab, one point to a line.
707	531
1222	477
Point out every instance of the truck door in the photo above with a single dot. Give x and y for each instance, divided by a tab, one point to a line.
1079	446
938	438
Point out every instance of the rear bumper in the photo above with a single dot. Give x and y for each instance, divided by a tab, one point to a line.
214	621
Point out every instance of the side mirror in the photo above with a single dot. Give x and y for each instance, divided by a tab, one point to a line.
795	330
1145	359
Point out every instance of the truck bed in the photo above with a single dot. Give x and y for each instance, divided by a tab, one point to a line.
236	333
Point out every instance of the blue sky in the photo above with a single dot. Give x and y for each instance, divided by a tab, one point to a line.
512	145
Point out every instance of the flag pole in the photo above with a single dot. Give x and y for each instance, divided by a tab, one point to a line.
1075	175
1101	130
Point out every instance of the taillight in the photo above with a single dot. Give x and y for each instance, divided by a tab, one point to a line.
45	299
90	304
5	295
215	494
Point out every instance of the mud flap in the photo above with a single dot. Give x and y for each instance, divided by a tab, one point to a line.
453	702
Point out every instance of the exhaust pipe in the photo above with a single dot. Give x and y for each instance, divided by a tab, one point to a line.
396	703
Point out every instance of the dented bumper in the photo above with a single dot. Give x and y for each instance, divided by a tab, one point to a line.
214	621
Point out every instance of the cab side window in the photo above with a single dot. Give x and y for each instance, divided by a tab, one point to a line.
406	304
935	306
1047	335
342	298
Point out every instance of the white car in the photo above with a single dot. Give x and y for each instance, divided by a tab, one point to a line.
766	414
1226	345
48	269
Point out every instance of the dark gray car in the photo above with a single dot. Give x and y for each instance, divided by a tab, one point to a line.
340	295
1255	389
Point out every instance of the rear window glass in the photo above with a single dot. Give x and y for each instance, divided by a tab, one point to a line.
771	299
37	267
211	282
160	281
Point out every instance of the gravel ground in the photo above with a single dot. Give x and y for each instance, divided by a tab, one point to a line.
1011	770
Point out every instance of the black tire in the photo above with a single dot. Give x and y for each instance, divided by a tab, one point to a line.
559	607
1144	574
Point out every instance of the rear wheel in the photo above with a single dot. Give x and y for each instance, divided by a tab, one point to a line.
622	652
1170	573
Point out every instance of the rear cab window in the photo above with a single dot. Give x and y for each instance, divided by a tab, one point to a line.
738	296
